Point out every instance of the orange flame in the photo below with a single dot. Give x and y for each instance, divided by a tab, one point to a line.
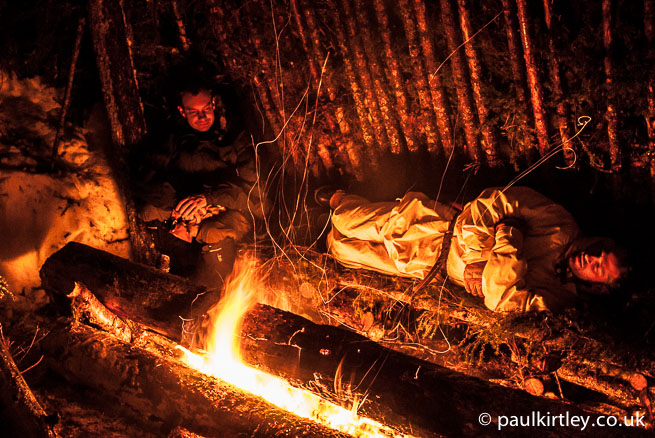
223	360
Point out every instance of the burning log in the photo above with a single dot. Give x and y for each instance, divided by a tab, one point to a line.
401	391
157	300
158	385
18	402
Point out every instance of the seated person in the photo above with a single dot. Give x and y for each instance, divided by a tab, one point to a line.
515	248
199	184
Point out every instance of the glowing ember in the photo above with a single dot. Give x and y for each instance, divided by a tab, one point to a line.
223	360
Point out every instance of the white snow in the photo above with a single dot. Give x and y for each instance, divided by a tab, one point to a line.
40	210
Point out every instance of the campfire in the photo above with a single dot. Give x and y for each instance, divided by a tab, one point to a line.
222	359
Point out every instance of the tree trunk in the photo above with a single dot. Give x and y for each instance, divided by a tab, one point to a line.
359	18
117	73
181	28
394	77
533	77
357	59
461	79
555	82
156	384
350	148
610	113
518	73
649	30
436	100
17	403
489	139
367	159
317	81
111	42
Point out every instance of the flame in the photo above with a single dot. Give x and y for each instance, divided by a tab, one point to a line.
223	360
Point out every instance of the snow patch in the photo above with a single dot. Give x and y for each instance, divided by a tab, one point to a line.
40	210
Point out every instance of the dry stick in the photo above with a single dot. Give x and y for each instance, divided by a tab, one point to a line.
438	100
610	114
394	77
489	137
518	76
649	31
361	69
67	95
460	77
354	154
555	81
430	126
321	147
533	77
17	399
381	88
181	29
367	159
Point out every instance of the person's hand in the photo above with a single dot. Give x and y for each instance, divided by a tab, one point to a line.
473	278
191	209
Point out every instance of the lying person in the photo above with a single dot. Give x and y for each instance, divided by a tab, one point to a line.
516	248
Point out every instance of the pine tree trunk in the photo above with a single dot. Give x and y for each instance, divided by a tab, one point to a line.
394	77
649	30
367	159
610	113
518	73
181	28
533	77
349	143
489	138
438	103
555	81
461	79
380	87
357	57
321	140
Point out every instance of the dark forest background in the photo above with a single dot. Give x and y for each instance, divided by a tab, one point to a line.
381	96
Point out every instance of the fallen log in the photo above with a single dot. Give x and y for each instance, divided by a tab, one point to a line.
450	328
159	386
19	407
155	299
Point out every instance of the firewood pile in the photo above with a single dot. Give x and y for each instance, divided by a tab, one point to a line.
102	359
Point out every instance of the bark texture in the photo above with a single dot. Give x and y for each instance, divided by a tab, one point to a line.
534	83
17	402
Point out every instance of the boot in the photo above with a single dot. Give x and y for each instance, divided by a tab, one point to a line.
215	263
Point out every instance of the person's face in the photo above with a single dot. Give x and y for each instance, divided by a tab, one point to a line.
603	268
198	110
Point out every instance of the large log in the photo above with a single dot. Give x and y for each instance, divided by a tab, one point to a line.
159	301
400	391
446	327
159	386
